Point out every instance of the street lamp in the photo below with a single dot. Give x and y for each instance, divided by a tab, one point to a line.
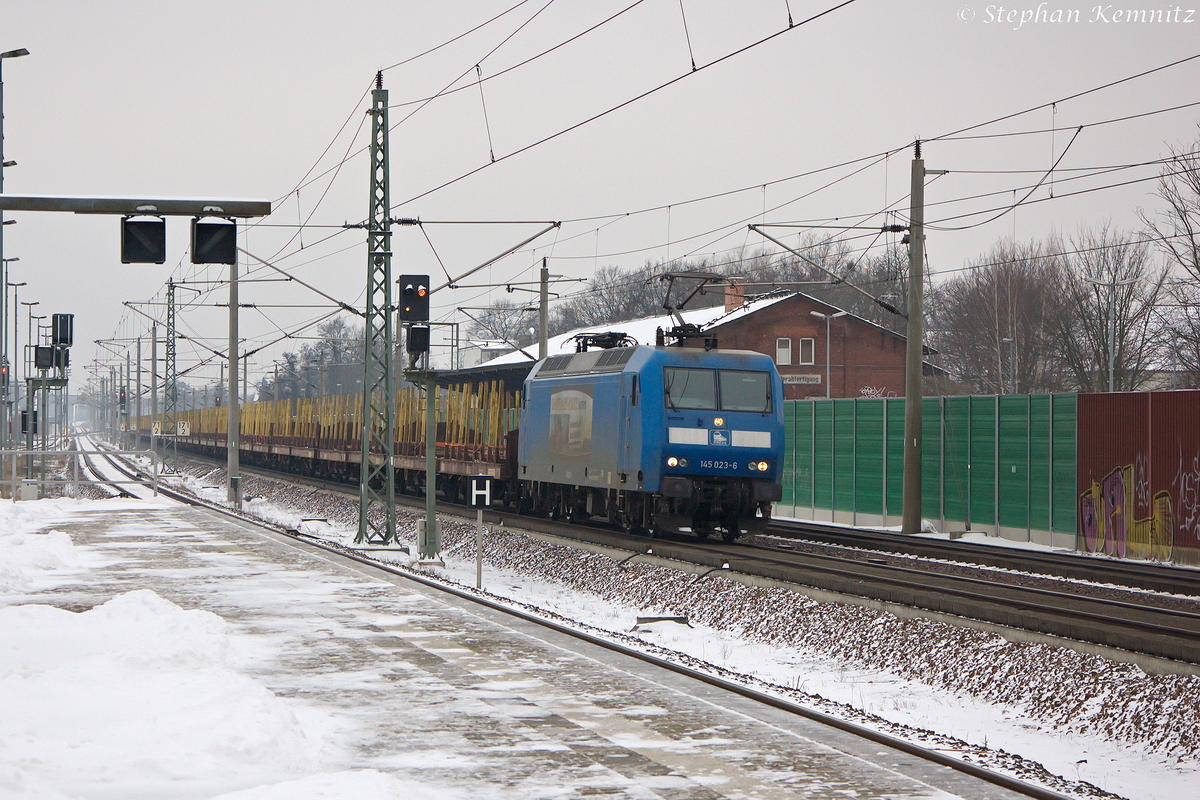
827	318
29	327
1112	321
1012	367
12	364
4	261
7	365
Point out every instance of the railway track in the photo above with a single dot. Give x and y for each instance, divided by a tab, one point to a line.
1136	621
765	698
1100	569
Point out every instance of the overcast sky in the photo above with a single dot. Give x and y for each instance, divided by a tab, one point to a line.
264	100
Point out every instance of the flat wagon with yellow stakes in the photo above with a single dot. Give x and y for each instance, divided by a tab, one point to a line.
319	436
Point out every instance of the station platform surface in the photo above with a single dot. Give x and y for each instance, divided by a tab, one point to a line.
461	699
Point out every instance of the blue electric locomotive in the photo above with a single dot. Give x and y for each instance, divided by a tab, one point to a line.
654	439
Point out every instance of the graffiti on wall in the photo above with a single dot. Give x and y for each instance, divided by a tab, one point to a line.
1108	519
1187	486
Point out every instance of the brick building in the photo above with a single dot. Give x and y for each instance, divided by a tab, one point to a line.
865	359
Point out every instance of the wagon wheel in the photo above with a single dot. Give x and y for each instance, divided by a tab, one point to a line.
729	530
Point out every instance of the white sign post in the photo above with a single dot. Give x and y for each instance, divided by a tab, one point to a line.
481	498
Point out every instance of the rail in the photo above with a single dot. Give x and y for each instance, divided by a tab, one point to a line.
34	484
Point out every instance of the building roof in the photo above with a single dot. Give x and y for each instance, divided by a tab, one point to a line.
643	330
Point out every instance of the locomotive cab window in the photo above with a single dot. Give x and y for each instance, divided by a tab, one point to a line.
690	388
745	391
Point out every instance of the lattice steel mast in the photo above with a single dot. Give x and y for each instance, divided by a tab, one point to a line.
377	488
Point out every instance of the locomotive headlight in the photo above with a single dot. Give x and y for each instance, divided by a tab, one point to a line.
672	462
683	462
718	422
762	466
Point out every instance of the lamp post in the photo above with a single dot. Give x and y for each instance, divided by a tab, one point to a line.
29	325
1012	374
5	363
28	360
828	336
1112	322
30	405
13	378
4	261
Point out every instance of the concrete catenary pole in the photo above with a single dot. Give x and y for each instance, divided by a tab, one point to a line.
911	522
137	441
233	429
544	311
153	380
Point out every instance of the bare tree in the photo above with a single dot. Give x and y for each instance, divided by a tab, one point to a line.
995	324
1176	231
616	295
505	320
1110	289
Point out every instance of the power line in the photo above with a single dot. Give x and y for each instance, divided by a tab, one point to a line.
1075	96
621	105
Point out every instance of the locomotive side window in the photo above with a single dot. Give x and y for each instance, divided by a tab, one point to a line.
690	388
745	391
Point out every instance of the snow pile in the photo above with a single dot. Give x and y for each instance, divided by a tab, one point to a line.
135	691
24	555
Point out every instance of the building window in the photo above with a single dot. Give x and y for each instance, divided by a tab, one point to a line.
783	352
807	349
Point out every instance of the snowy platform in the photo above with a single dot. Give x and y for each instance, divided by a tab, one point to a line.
190	656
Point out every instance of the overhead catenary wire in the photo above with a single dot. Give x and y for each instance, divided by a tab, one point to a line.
612	217
687	35
487	125
623	104
942	136
1094	189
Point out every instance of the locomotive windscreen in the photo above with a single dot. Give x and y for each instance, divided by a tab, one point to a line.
745	391
697	389
690	388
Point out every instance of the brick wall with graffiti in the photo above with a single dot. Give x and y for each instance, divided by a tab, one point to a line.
1139	475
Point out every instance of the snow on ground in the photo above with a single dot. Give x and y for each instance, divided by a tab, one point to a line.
34	556
139	693
366	784
138	690
1082	717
